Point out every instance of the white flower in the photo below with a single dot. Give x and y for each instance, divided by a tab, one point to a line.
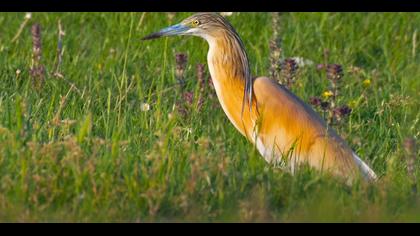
28	15
302	61
145	107
18	72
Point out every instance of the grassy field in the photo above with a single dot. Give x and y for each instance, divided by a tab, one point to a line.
109	135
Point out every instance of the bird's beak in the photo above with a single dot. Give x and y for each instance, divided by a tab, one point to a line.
178	29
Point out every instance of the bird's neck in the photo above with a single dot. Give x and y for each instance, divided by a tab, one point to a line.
228	66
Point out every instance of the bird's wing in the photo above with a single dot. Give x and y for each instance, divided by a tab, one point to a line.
287	123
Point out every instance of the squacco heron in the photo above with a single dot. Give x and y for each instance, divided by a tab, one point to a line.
284	129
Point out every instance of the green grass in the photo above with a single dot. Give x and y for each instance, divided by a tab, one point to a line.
111	161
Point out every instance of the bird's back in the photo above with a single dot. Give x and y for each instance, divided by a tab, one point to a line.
290	129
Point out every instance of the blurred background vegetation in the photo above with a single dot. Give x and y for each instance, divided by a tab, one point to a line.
96	125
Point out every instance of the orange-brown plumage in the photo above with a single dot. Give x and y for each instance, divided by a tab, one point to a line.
283	128
278	118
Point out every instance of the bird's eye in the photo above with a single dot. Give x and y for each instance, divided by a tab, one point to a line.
195	23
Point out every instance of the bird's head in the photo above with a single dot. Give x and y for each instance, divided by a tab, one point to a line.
205	25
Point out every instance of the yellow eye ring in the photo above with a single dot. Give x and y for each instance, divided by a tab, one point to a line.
195	23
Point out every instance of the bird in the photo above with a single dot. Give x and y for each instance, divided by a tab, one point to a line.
285	130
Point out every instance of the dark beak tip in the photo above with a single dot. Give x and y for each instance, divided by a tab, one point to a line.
151	36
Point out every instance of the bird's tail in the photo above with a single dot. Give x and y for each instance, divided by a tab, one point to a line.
366	171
